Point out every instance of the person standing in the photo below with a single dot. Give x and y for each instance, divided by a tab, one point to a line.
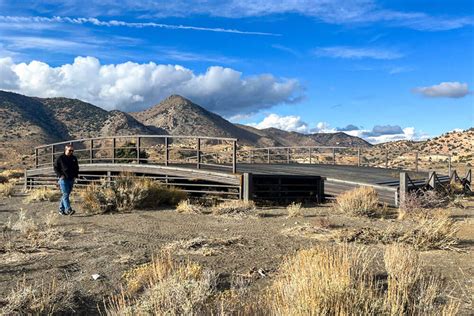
67	169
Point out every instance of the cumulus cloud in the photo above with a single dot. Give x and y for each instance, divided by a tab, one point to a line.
131	86
347	52
387	133
290	123
349	127
444	90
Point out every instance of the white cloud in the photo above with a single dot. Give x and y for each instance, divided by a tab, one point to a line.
116	23
444	90
131	86
347	52
290	123
392	133
323	127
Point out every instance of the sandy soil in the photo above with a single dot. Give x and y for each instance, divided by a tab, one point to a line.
251	246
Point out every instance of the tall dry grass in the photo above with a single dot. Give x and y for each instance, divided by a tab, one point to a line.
362	201
234	207
295	210
186	206
43	194
163	287
7	189
341	280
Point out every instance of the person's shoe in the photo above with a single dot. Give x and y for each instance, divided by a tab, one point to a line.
61	212
71	212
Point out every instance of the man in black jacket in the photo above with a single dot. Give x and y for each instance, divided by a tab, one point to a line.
67	169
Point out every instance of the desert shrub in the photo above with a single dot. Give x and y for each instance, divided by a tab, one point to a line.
186	206
166	288
362	201
128	193
43	194
233	207
418	204
436	232
294	209
25	224
341	280
31	298
128	153
7	189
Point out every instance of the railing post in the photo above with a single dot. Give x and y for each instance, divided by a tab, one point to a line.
403	189
91	151
198	153
114	144
288	155
52	155
386	159
268	155
36	157
358	156
432	179
449	165
234	156
167	153
416	161
334	156
310	152
138	149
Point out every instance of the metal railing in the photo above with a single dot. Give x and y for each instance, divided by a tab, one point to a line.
202	151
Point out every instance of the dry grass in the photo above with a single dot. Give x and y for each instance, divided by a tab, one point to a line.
7	189
128	193
25	224
341	280
202	246
186	206
40	299
437	232
295	210
362	201
234	207
418	204
163	287
43	194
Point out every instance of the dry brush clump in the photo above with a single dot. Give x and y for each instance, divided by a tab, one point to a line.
7	189
127	193
186	206
234	207
163	287
295	209
33	298
418	204
43	194
341	280
362	201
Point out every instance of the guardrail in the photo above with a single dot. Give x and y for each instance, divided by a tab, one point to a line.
215	152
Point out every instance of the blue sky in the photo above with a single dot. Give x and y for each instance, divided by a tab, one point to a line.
382	70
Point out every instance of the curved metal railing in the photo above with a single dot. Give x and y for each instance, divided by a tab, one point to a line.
200	151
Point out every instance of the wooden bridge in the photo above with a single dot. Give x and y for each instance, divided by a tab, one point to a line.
215	166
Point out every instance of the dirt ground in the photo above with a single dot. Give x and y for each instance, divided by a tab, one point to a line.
251	246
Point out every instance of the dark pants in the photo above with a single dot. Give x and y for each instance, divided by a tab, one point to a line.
66	188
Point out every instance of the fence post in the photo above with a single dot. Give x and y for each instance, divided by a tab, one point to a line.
449	165
268	155
36	157
386	159
138	149
403	189
166	151
198	153
246	187
310	151
52	155
432	179
91	151
416	161
234	156
334	156
358	156
114	144
288	155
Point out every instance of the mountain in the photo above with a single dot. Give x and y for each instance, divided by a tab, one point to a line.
289	139
27	122
180	116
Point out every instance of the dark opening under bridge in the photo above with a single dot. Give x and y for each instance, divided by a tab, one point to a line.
215	166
